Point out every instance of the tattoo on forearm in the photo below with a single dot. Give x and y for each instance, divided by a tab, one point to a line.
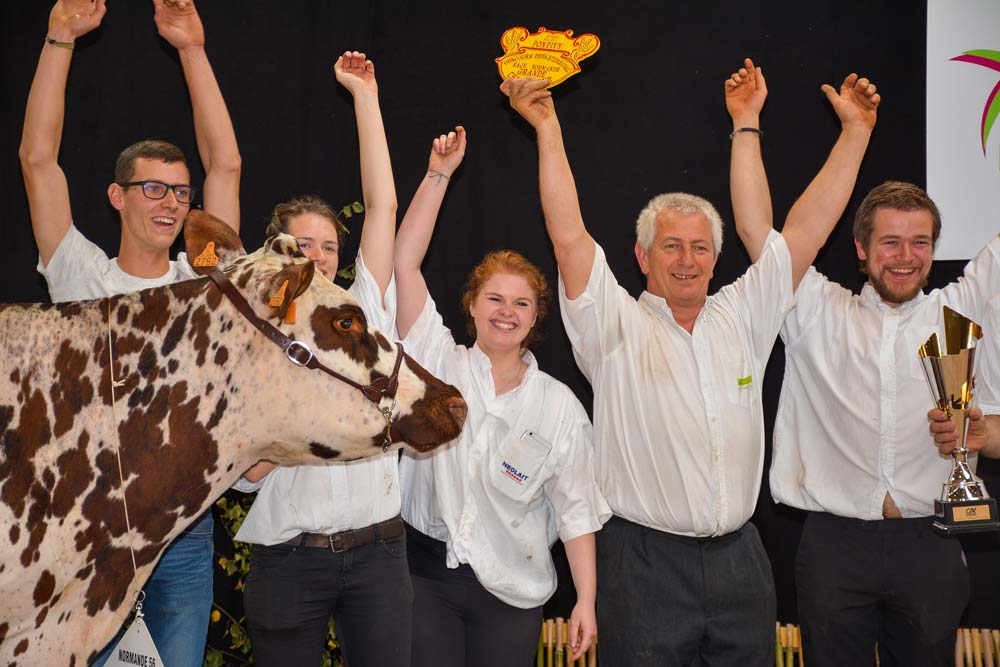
438	177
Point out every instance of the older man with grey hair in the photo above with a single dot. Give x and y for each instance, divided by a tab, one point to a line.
677	375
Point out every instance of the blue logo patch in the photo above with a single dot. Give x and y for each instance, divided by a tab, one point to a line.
513	473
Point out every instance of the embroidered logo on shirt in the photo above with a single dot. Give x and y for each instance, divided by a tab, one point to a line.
514	473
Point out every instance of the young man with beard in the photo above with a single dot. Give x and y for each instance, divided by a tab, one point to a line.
152	194
851	443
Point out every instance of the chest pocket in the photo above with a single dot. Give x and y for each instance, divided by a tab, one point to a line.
517	469
739	379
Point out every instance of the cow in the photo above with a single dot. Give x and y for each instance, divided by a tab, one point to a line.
195	395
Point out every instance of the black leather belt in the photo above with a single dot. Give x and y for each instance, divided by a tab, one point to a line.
350	539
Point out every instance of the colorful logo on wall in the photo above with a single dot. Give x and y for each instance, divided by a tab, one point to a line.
547	54
990	59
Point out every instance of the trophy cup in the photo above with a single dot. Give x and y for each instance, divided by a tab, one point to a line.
965	506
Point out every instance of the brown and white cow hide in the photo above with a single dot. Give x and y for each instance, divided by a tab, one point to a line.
202	396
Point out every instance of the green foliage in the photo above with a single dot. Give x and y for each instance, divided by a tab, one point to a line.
349	272
239	651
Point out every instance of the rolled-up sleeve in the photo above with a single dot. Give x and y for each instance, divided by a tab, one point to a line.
579	507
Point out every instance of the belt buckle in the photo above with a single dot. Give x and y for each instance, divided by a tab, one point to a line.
337	543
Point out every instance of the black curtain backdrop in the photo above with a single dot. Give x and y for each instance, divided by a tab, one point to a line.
646	116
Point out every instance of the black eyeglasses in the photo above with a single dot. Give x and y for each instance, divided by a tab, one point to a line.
158	190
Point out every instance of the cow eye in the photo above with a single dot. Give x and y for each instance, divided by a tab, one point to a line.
345	323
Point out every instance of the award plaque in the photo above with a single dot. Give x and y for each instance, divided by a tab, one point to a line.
546	54
965	506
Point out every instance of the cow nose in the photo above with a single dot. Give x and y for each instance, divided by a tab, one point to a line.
458	409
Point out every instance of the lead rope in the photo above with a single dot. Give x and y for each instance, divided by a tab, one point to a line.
118	455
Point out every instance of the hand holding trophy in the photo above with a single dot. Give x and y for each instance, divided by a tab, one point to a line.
965	505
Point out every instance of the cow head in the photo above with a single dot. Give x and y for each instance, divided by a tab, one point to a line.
332	420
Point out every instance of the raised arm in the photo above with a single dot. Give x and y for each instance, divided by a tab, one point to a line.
178	22
746	91
582	556
573	244
418	225
356	73
983	432
44	180
818	209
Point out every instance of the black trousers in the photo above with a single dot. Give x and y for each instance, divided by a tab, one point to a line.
291	592
457	622
893	581
665	600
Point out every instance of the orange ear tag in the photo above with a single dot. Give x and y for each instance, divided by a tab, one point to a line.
290	314
278	297
207	256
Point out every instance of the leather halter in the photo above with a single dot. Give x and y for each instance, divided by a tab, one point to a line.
300	354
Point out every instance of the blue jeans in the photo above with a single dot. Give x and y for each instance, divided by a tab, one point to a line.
179	598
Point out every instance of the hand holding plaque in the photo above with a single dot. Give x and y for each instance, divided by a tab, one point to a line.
965	505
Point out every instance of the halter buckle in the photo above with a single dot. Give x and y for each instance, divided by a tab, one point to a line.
296	350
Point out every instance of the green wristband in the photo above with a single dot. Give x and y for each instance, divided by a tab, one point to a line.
62	45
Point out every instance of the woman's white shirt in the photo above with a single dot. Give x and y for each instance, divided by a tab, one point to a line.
521	473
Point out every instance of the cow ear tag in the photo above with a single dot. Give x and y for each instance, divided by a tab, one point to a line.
136	646
290	314
207	256
545	54
278	298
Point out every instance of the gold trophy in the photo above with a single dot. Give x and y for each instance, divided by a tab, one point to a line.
965	506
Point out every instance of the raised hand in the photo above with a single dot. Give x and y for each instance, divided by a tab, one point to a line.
856	103
530	99
447	153
70	19
178	22
746	91
356	73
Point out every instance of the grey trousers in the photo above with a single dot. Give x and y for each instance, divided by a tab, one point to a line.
665	599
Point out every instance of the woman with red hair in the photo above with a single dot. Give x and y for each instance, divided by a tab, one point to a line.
483	513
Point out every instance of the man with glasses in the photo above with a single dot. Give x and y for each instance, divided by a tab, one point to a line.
152	193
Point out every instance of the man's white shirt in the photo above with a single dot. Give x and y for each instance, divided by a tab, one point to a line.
852	418
79	270
679	428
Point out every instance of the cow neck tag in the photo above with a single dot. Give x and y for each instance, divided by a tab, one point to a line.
136	648
207	256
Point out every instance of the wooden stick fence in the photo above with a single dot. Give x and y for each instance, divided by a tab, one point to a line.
788	646
977	647
553	647
974	647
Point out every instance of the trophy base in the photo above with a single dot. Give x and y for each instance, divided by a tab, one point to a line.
966	516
